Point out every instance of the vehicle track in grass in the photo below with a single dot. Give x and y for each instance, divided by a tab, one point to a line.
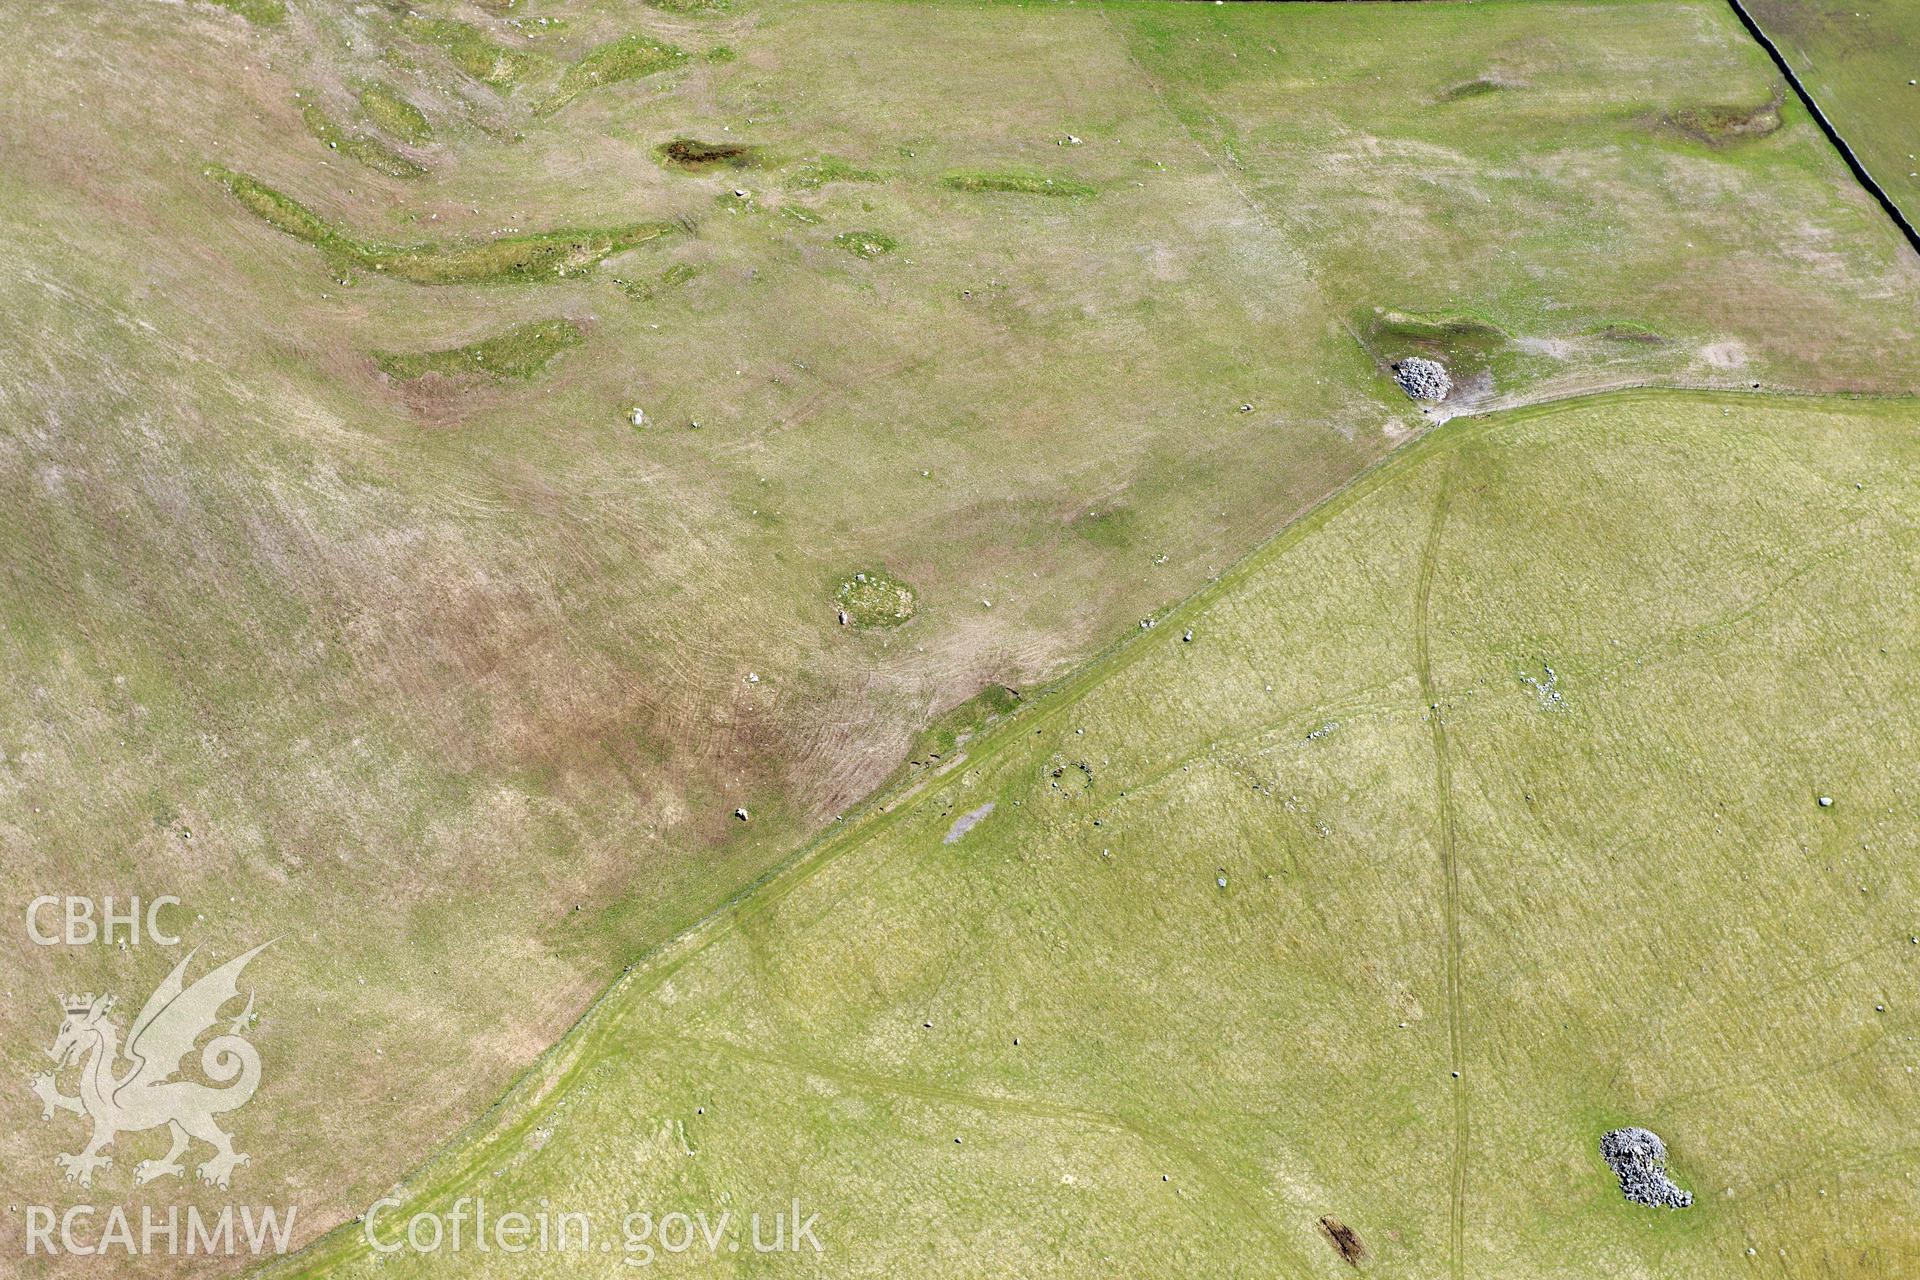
1450	869
1155	1138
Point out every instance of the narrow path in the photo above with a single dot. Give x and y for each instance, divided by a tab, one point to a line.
1853	163
1443	787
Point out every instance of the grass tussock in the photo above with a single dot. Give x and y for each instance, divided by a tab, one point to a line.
263	13
469	48
1017	182
367	151
394	115
515	356
866	244
817	173
628	58
516	259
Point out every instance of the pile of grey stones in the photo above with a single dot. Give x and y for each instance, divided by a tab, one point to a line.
1639	1159
1423	379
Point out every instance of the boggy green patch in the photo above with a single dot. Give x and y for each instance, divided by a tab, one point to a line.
394	115
1019	182
367	151
538	256
874	598
468	47
628	58
866	244
516	355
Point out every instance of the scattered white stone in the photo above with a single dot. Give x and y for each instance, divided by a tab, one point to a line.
740	814
1826	802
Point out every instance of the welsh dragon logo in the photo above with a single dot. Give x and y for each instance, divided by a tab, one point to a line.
145	1094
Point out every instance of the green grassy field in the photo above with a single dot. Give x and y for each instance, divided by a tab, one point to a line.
1505	763
1857	58
1043	315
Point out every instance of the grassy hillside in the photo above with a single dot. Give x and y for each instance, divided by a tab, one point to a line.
1857	60
1539	193
352	605
1505	764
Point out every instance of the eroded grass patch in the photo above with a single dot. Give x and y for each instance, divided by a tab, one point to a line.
516	355
1016	181
538	256
1346	1242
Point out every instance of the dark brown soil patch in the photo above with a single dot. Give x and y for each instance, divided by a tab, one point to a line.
1633	335
690	153
1345	1241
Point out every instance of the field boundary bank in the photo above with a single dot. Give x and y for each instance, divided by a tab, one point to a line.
1853	163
